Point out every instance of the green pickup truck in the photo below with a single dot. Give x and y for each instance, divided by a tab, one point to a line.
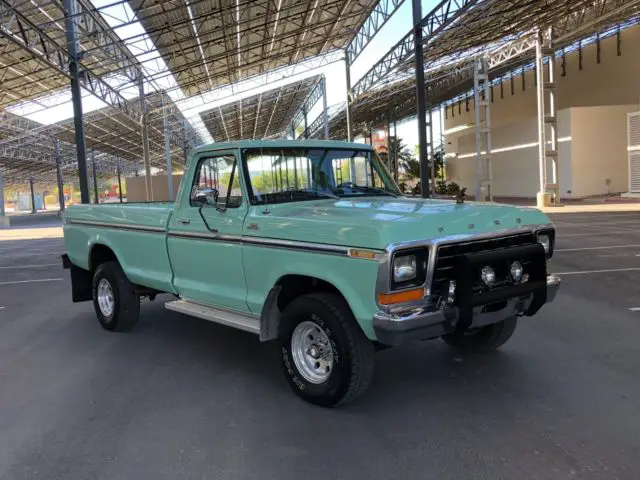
311	244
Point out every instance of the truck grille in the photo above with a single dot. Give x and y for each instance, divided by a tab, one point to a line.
446	255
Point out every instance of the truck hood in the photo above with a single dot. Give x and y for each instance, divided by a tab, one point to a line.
375	222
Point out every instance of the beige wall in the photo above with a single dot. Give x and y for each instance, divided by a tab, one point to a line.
592	104
599	149
592	147
614	81
514	158
137	190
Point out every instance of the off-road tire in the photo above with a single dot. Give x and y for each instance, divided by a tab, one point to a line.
126	309
353	352
486	340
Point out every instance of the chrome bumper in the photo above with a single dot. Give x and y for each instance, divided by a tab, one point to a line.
429	322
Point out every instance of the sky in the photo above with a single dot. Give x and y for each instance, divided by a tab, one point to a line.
59	107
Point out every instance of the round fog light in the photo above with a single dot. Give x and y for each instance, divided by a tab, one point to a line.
488	276
516	271
451	294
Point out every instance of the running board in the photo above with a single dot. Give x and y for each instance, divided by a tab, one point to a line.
241	321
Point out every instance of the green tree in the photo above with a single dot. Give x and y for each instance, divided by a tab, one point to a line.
413	167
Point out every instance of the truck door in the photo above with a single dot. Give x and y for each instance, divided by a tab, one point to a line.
205	233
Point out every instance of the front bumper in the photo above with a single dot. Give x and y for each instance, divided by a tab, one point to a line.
428	322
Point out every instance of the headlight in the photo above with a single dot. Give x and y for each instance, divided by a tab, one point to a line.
545	241
404	268
546	238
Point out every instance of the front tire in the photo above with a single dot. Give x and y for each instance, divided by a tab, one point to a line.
326	357
485	339
116	304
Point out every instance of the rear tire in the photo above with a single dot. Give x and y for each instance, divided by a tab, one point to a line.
485	339
326	357
116	304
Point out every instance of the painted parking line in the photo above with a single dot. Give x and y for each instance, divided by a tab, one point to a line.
594	248
634	309
561	235
42	265
32	281
610	270
27	254
38	245
592	225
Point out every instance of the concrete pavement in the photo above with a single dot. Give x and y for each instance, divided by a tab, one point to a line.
182	398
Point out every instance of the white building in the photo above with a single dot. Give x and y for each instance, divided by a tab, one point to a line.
593	104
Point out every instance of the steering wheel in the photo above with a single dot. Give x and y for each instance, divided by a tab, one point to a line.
347	184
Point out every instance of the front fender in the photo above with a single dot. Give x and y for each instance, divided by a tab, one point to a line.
354	278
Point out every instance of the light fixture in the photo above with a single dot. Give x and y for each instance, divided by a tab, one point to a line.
451	292
516	271
488	275
545	241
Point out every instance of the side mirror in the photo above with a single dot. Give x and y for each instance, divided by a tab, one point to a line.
206	196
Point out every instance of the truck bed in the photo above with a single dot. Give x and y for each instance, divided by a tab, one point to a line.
153	214
142	227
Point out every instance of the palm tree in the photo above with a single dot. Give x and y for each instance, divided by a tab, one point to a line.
402	156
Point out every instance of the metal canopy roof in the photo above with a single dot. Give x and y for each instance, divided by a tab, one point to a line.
205	45
503	32
33	52
208	43
27	148
112	132
265	115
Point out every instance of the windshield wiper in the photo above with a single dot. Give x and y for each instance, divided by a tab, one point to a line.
367	189
315	192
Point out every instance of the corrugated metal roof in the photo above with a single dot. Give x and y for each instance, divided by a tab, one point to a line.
264	115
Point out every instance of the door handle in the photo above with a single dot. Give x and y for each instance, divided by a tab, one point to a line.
184	221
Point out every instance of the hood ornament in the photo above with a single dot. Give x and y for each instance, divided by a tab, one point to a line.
460	196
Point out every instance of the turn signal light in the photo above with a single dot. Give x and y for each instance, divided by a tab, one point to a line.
400	297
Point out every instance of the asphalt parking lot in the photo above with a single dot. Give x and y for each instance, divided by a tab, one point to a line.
182	398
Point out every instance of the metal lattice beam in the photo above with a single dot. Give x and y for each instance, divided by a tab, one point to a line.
379	16
449	74
313	97
442	16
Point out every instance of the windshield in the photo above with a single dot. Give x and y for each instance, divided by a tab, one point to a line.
290	175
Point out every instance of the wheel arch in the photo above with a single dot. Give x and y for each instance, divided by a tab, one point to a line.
286	289
99	253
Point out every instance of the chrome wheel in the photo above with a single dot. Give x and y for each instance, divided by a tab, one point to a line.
312	352
106	302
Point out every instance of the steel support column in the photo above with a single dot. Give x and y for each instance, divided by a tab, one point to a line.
293	132
33	196
306	121
430	146
389	163
396	152
420	97
547	150
347	70
167	152
481	103
2	211
119	181
95	177
70	7
185	147
325	113
59	176
145	140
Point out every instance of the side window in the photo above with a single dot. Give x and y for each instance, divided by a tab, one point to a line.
220	173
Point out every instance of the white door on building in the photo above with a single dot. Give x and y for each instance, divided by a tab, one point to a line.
633	149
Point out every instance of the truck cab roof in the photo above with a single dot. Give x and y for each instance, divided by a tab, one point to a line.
281	144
